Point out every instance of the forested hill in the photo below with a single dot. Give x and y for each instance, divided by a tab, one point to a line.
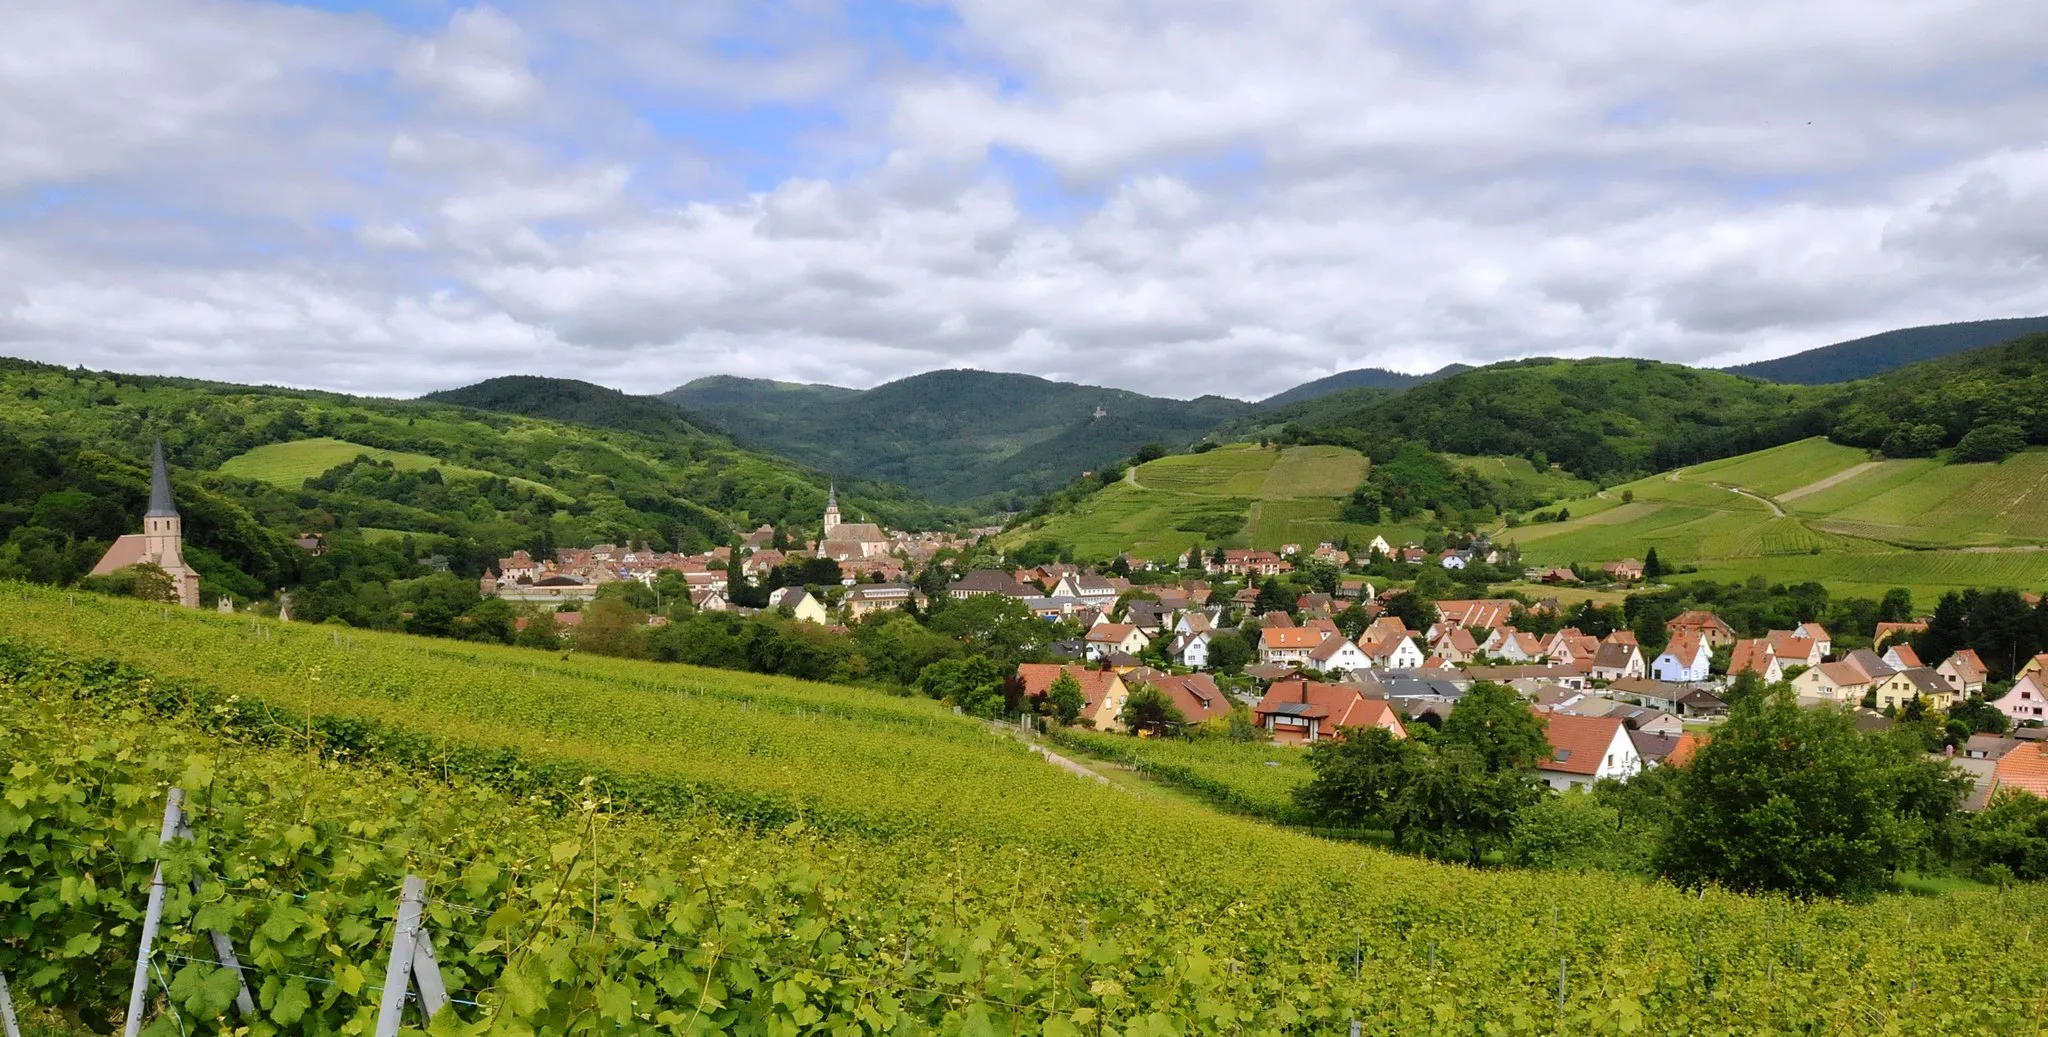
579	403
1596	418
1362	378
1876	354
1987	403
954	435
388	481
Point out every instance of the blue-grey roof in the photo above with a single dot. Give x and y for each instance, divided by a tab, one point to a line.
160	505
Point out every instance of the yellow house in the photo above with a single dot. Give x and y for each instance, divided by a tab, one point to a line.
1917	683
801	604
1102	692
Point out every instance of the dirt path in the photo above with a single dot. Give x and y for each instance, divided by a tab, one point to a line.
1131	476
1836	479
1070	766
1760	498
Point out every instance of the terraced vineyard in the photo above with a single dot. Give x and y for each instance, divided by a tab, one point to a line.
1241	496
1814	510
597	860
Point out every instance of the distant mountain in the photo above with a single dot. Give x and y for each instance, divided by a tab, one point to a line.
1874	354
580	403
954	435
1987	401
1362	378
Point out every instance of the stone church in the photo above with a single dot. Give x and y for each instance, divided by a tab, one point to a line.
847	540
162	539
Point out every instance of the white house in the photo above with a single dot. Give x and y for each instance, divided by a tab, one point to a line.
1396	653
1192	649
1094	590
1617	662
1287	645
1103	639
1338	655
1585	749
1818	635
1684	661
1379	544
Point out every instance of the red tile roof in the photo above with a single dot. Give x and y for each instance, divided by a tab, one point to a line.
1195	694
2024	768
1336	705
1037	679
1579	744
1290	637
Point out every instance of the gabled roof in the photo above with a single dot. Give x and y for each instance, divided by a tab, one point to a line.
1110	633
1844	675
1656	748
1682	753
1276	619
1965	664
2024	768
1283	638
1620	637
989	581
1037	679
1699	619
1196	695
1925	681
1337	705
1750	654
1614	657
1870	663
1905	654
1790	647
1329	649
1686	646
1578	745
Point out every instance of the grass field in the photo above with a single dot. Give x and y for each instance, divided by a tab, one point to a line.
687	847
1236	496
1814	510
289	465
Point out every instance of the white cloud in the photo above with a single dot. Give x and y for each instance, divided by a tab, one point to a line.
1191	196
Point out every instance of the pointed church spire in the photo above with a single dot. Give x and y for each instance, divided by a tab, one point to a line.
160	505
832	495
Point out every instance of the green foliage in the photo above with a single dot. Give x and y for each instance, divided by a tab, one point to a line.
974	684
1992	441
1064	699
1572	831
955	435
145	580
1599	418
1152	710
616	846
1992	393
1798	801
1494	722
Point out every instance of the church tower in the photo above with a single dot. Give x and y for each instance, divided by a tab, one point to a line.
162	539
831	511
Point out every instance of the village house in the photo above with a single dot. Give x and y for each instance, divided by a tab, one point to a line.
1963	672
800	604
1584	750
1896	689
847	540
1191	649
162	540
1195	695
1617	662
1480	613
1097	591
1395	653
1684	661
874	597
1299	711
1516	647
986	581
1833	682
2026	701
1103	639
1707	626
1790	649
1896	633
1254	563
1337	655
1650	694
1818	635
1288	645
1753	655
1628	570
1454	645
1902	657
1102	692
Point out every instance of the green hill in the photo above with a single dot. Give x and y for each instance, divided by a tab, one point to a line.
254	467
612	846
1247	496
954	435
1822	511
1362	378
574	402
1876	354
1597	418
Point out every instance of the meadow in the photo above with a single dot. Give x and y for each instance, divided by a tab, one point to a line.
289	465
1815	510
596	863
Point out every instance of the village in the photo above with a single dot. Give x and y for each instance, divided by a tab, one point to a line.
1612	709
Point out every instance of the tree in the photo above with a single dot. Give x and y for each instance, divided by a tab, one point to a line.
1499	728
1653	567
1272	598
145	580
1897	607
1416	612
1229	652
1358	776
540	632
1792	800
974	684
1981	717
1149	709
1994	441
611	627
1064	699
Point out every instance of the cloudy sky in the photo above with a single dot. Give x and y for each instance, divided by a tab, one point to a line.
1173	196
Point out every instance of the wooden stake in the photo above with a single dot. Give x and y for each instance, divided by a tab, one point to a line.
7	1024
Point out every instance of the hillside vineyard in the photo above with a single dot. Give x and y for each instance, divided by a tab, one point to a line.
616	846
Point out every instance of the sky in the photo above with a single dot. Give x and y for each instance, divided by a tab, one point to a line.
1177	197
